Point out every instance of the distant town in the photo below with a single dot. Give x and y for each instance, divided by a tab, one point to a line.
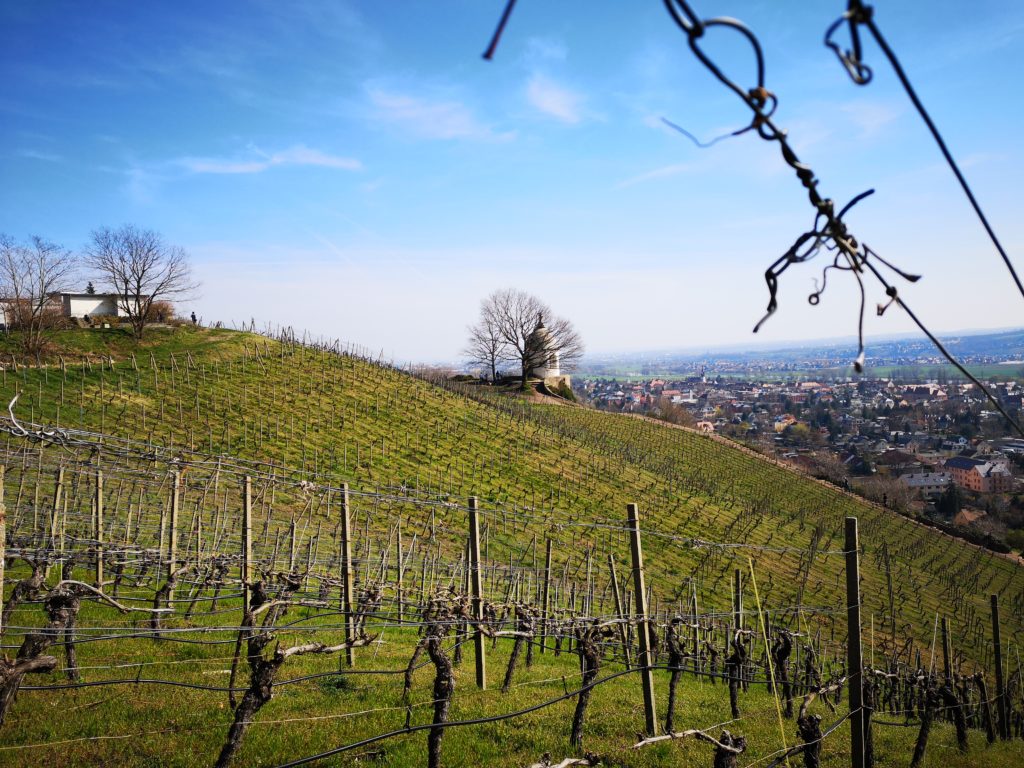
998	354
920	439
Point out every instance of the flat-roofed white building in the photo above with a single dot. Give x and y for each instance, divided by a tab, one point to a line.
92	304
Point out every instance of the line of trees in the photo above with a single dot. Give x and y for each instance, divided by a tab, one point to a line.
136	265
504	333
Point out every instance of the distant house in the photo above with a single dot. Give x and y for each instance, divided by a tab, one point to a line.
967	516
76	305
957	444
927	483
784	421
979	475
14	310
72	305
855	463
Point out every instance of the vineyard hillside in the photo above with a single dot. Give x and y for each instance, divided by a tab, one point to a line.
226	393
307	422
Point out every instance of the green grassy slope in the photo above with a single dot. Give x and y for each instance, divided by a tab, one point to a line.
540	471
373	426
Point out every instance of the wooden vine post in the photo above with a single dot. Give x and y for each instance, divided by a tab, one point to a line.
55	515
947	670
546	618
620	614
347	579
98	530
1004	723
476	588
854	660
643	627
172	544
400	575
246	542
737	601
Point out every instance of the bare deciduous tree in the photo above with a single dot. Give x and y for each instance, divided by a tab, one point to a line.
486	346
32	275
517	315
141	268
568	342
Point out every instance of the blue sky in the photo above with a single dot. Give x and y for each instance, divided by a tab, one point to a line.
356	169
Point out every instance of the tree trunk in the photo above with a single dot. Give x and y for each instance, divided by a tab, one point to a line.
26	589
259	693
444	686
726	758
675	663
512	659
590	661
986	709
932	701
69	652
809	727
11	674
952	704
412	668
733	666
780	656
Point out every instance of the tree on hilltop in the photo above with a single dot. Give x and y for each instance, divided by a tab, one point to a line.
486	346
141	268
32	275
514	316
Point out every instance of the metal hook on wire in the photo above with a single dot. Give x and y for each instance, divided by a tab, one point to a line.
856	14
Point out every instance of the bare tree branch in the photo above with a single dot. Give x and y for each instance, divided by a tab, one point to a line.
141	269
486	346
515	316
32	277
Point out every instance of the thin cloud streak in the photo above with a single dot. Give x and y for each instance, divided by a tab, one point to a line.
663	172
34	154
430	118
296	155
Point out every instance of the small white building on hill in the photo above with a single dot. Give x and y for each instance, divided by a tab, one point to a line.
71	305
77	305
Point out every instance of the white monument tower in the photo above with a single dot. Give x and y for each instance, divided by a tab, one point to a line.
543	362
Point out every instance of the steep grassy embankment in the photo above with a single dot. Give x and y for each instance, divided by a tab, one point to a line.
540	470
224	392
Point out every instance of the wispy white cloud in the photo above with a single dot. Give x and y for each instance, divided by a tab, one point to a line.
295	155
664	171
35	154
554	100
430	118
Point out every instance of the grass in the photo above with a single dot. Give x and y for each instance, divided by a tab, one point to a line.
540	471
148	725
